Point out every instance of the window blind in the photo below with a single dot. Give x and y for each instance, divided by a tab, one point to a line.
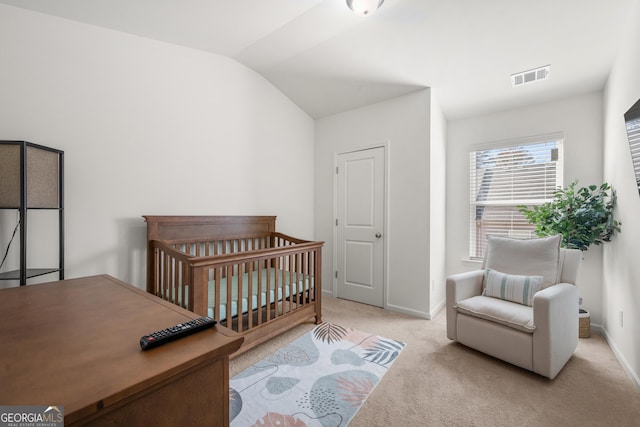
504	177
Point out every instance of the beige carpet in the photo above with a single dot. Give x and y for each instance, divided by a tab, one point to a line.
436	382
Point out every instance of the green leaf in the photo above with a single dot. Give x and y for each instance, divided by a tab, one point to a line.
584	216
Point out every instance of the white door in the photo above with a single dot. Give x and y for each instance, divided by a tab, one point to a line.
360	226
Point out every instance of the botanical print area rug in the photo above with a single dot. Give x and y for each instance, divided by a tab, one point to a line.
320	379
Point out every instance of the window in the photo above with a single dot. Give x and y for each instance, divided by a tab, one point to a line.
504	176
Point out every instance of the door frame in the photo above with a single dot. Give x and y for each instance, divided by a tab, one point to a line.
385	145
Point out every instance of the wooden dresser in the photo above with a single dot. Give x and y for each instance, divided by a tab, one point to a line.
75	343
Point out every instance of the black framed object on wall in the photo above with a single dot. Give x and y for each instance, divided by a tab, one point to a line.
632	122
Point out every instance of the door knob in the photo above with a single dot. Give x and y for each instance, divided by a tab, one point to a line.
378	235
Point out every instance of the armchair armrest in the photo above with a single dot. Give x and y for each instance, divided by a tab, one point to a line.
460	286
555	315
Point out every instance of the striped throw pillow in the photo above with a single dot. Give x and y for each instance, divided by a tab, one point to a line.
511	287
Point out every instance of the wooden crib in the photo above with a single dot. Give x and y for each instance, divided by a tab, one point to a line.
236	269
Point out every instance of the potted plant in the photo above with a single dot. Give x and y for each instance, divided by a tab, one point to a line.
584	216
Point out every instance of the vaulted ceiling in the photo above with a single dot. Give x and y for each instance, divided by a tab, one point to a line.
328	60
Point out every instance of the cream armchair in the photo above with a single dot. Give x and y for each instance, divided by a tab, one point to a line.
522	307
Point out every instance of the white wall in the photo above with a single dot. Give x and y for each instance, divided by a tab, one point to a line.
437	204
149	128
403	122
580	120
621	266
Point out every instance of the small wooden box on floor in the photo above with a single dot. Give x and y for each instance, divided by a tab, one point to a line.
75	343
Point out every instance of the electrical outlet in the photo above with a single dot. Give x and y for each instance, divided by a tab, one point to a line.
621	317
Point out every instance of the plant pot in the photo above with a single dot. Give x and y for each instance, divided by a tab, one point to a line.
584	323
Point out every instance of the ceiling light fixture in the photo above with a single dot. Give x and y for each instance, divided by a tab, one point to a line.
364	7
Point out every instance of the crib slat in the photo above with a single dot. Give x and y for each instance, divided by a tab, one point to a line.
268	300
157	280
216	290
165	288
173	291
260	293
276	284
290	267
250	295
299	281
308	277
229	296
183	284
239	314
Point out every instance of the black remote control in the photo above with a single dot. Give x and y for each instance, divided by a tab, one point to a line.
174	332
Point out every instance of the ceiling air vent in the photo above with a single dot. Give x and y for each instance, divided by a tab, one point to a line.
530	76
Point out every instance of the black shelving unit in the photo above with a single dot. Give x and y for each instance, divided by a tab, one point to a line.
32	178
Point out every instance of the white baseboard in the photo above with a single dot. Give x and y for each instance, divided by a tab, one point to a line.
409	311
404	310
417	313
437	308
616	351
392	307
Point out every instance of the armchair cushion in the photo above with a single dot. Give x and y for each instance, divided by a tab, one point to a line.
516	316
530	257
511	287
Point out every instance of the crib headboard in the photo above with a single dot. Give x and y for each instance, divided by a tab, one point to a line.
163	227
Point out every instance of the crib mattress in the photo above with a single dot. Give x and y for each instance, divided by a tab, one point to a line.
299	284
